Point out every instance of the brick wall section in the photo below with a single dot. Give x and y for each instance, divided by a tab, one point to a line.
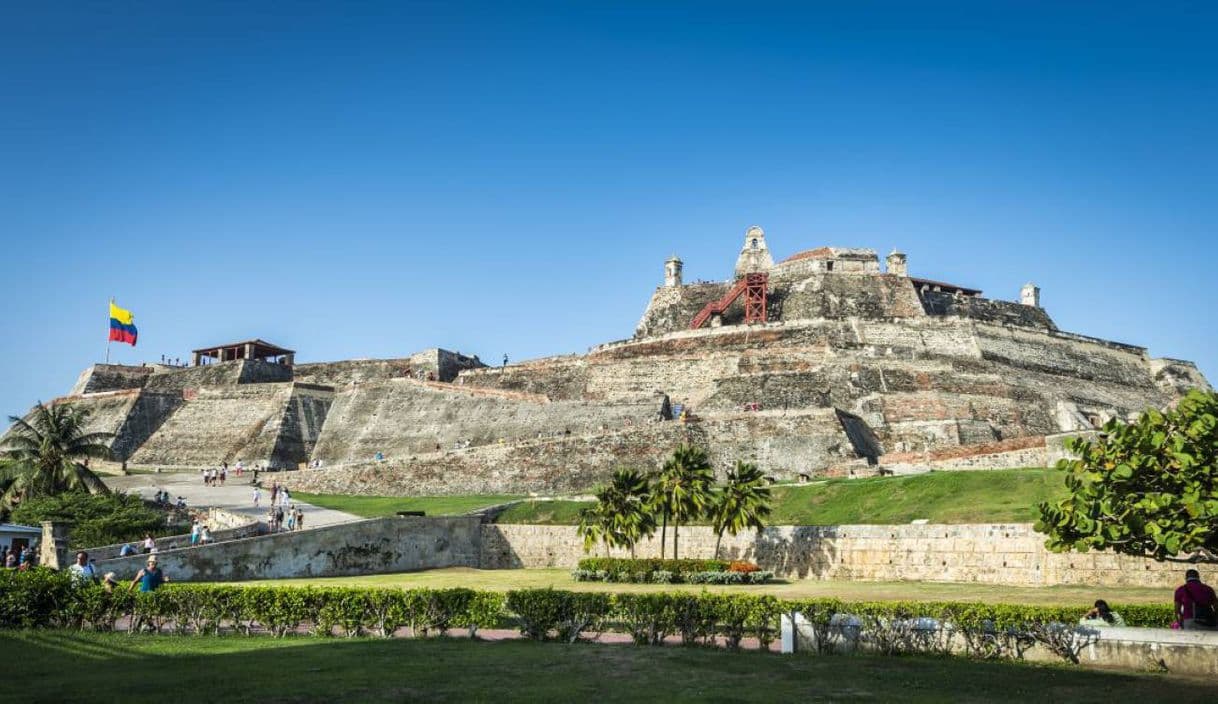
1008	554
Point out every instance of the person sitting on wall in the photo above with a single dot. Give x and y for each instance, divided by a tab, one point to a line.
1196	603
1101	616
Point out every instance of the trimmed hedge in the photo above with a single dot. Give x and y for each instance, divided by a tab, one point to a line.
41	598
654	571
617	565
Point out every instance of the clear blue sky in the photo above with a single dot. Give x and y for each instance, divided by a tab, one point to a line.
365	180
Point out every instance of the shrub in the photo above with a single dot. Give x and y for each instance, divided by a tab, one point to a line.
97	519
742	566
617	565
41	598
566	614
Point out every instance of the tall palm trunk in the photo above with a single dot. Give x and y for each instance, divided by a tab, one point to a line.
718	539
664	535
676	527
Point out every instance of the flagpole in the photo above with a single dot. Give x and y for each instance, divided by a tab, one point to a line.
108	335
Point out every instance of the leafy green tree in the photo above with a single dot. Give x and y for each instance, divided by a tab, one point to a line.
97	519
1147	488
742	502
682	490
43	453
622	513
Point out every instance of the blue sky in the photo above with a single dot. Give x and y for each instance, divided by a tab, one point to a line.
366	180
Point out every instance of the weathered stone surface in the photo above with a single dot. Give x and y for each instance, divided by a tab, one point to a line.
1010	554
364	547
917	366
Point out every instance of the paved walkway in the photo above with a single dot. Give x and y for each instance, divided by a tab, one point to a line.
236	495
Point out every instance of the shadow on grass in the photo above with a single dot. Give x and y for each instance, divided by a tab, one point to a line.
65	667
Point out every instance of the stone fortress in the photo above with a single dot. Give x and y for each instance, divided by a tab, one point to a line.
823	364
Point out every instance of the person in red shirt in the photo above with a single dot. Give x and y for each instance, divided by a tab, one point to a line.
1196	603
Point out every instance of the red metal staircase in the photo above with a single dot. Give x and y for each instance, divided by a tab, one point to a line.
752	287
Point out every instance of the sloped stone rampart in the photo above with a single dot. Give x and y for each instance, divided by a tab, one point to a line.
1007	554
110	377
373	546
220	424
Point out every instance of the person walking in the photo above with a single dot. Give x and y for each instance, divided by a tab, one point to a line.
83	573
150	578
299	519
1196	604
194	532
257	496
204	535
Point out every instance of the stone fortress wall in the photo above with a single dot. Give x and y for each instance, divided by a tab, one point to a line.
857	369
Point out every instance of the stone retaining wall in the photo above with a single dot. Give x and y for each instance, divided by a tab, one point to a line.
364	547
1007	554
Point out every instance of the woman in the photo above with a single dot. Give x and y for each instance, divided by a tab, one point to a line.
1101	616
149	543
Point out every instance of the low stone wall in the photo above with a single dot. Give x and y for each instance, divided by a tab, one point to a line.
364	547
223	525
1007	554
1182	652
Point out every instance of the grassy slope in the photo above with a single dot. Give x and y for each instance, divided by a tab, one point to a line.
376	506
1001	496
260	669
503	580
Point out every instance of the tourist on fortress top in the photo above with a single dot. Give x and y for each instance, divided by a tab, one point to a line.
1101	616
1196	603
149	543
194	532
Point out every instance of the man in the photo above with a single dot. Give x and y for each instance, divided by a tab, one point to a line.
150	578
82	571
127	549
1196	603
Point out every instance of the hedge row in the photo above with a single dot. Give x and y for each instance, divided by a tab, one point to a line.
44	599
618	565
665	577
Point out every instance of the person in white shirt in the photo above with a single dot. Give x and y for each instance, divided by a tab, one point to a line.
82	571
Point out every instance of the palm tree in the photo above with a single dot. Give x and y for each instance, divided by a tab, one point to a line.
621	515
42	453
683	490
742	502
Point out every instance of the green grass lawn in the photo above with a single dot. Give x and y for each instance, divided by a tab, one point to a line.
377	506
53	666
999	496
503	580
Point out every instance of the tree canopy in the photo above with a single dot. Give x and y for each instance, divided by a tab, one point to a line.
42	454
1147	488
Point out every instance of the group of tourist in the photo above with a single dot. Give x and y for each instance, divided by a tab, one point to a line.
280	518
200	534
85	571
1196	608
215	477
19	558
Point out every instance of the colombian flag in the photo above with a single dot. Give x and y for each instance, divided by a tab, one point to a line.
122	325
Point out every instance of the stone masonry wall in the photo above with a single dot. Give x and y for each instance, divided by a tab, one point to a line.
1008	554
110	377
373	546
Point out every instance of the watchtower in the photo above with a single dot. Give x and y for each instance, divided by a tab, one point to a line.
672	272
754	255
247	349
